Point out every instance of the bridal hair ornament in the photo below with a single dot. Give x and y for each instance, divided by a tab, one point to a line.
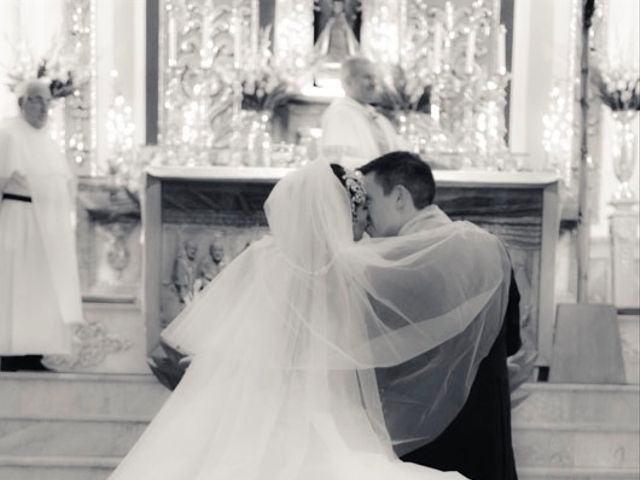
49	70
353	182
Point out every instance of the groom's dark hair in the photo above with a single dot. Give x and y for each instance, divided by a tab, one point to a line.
406	169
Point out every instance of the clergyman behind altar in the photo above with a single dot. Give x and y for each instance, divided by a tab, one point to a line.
353	132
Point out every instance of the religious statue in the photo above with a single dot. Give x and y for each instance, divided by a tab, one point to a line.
211	264
337	39
184	271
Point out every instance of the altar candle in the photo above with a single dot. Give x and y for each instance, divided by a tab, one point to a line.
255	30
206	32
237	38
435	113
437	47
448	9
471	52
172	42
446	56
501	38
205	52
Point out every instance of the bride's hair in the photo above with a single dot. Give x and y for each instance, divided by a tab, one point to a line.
352	184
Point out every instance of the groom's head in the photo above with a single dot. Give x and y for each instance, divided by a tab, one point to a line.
398	185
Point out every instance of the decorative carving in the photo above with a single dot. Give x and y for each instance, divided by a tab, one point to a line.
108	216
624	253
184	271
79	112
211	265
118	254
91	344
293	35
455	57
198	54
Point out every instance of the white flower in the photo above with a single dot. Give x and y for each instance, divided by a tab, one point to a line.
249	87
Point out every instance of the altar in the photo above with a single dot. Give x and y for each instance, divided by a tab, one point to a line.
214	147
186	211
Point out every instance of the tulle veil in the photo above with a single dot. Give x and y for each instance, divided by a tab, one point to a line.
287	339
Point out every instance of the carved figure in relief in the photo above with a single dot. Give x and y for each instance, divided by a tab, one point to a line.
184	271
210	265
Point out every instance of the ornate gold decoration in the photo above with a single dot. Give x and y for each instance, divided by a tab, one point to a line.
91	345
293	35
79	111
202	44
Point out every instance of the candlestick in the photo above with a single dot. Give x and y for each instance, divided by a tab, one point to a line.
437	47
501	36
206	32
172	42
255	29
237	38
435	113
471	52
446	57
448	8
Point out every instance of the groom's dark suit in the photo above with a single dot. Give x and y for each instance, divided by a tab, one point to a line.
478	441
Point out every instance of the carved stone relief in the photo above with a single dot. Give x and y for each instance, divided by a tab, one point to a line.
90	346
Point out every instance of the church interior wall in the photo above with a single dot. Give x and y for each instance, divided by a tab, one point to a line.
541	46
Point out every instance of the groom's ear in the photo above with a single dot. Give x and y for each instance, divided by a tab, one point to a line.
401	196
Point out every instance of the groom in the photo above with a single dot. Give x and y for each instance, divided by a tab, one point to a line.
477	443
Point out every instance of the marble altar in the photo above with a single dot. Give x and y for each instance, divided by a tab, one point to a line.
521	208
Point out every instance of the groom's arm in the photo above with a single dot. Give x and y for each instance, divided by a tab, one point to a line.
512	318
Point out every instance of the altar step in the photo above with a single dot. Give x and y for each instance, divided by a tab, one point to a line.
26	394
577	432
577	446
629	326
528	473
57	426
96	437
72	468
78	427
567	446
57	395
56	468
99	468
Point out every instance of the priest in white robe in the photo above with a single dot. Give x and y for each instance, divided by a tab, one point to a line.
39	287
353	132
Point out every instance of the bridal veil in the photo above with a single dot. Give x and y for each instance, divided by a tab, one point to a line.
287	339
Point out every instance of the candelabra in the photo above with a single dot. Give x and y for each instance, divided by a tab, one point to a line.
496	153
120	130
454	59
202	47
443	50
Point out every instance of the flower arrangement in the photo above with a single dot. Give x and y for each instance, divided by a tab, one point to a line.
264	90
406	92
59	88
618	88
264	87
50	69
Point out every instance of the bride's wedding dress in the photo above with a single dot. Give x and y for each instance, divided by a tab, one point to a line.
285	341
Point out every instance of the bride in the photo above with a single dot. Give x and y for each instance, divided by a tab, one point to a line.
285	342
